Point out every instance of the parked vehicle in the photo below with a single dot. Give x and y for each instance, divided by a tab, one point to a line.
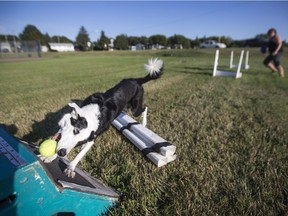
212	44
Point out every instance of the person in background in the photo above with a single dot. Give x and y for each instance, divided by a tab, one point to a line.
275	48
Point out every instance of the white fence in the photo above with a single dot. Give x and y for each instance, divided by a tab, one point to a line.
17	49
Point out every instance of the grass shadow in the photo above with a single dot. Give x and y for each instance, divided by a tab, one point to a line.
11	129
48	126
196	70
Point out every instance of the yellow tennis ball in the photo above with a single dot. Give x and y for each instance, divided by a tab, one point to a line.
48	148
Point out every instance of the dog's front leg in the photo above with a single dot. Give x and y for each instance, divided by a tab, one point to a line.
69	171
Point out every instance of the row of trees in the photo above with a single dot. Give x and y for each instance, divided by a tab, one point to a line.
31	33
121	42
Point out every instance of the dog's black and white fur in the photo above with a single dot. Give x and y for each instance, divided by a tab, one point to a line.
96	113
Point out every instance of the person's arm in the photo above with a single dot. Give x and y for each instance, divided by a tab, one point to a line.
279	42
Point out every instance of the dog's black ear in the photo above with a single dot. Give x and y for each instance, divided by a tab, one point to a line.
76	110
79	123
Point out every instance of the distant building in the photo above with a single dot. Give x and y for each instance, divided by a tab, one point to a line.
44	49
177	46
5	47
138	46
111	45
157	47
62	47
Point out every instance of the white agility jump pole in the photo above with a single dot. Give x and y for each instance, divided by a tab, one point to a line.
231	60
157	149
236	74
148	136
246	65
157	159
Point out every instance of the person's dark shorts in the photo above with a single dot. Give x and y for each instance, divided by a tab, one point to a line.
275	59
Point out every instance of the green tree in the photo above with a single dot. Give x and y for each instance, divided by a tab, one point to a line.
47	38
158	39
261	36
121	42
226	40
82	39
60	39
133	40
143	40
177	41
9	38
195	43
103	42
31	33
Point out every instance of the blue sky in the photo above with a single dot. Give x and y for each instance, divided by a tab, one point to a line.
238	20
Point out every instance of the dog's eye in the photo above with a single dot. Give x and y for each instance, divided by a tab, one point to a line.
76	131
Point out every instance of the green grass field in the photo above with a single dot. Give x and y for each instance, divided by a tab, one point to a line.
231	135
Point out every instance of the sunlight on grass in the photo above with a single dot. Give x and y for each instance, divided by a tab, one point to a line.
231	135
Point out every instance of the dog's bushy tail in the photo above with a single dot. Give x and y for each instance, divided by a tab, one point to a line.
154	68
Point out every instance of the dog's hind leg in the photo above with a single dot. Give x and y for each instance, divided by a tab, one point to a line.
137	103
144	117
69	171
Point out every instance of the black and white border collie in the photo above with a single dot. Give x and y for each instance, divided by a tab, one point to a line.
96	113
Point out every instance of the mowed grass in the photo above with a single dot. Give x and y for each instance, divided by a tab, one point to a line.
231	135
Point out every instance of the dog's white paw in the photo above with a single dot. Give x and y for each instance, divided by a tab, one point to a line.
69	171
48	159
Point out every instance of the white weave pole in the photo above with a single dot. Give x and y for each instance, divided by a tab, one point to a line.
231	60
157	159
247	66
238	73
216	63
149	137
